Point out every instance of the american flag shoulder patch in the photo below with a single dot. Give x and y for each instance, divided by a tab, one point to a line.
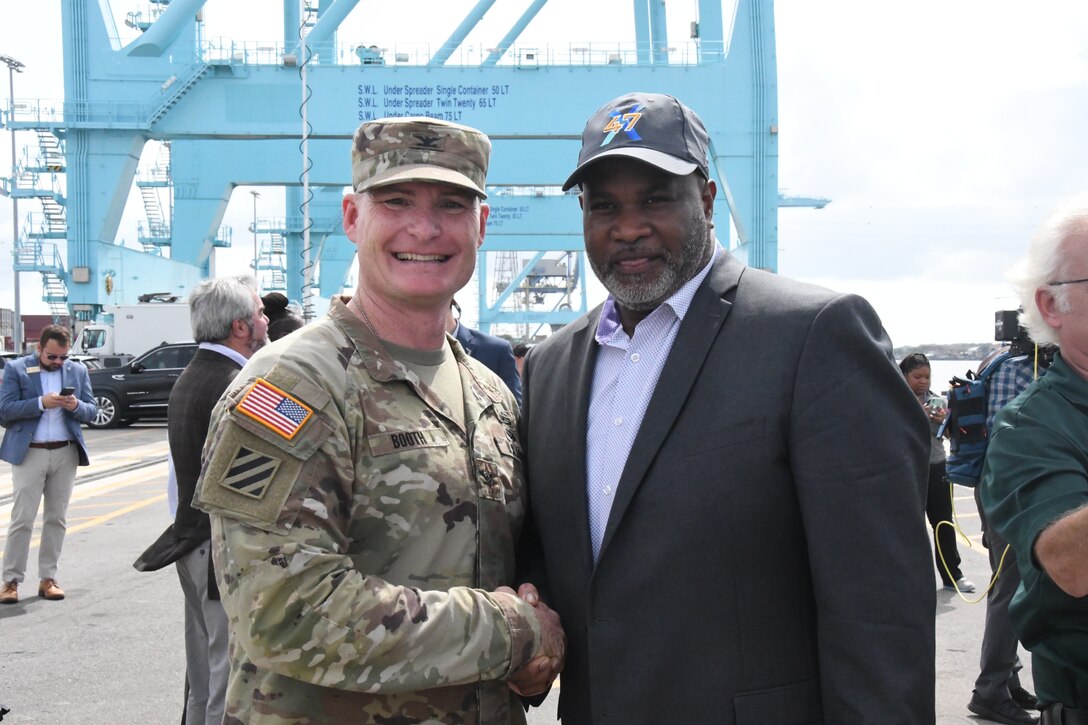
250	473
274	409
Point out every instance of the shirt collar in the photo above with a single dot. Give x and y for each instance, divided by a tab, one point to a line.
1071	385
679	303
224	350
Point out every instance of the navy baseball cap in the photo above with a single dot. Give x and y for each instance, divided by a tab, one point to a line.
651	127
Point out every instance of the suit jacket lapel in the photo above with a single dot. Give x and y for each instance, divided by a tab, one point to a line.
465	338
583	360
698	331
36	376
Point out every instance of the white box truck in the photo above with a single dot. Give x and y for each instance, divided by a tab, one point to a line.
134	330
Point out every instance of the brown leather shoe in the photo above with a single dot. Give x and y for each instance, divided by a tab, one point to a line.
9	593
48	589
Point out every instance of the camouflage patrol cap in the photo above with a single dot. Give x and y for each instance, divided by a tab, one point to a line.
396	150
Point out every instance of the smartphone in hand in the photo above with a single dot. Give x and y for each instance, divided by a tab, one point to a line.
67	390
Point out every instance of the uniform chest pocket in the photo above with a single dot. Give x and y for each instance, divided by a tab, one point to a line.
498	467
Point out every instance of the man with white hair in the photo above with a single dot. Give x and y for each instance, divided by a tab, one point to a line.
1035	482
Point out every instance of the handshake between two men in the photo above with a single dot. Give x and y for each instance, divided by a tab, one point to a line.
536	676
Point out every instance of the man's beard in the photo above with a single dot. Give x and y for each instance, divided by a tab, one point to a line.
632	293
255	343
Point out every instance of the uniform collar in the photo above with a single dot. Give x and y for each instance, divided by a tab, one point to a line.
383	367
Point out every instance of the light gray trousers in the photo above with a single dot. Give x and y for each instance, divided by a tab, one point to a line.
206	663
43	475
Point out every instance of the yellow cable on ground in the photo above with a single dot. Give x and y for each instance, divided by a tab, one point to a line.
970	545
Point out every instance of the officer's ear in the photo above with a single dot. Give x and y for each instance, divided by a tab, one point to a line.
350	208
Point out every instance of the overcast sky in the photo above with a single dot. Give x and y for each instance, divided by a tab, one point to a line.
943	132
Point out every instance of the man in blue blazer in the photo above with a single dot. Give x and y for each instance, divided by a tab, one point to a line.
725	469
494	352
43	400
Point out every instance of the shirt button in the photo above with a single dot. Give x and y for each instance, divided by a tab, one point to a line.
607	490
635	357
617	422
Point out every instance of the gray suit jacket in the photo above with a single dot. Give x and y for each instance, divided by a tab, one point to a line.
766	557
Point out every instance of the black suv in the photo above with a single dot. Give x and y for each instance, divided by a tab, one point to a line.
141	388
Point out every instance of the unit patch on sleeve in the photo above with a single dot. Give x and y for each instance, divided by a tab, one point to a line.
274	409
250	473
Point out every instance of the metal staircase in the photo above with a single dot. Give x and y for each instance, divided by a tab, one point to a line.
272	255
175	88
44	257
32	254
40	226
156	234
50	154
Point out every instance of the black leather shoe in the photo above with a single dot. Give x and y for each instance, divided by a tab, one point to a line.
1024	699
1002	711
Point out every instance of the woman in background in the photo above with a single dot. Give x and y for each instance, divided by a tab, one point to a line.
916	370
282	320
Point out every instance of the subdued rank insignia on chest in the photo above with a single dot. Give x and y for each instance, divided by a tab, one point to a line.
249	473
276	410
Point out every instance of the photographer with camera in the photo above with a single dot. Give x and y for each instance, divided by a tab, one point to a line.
998	693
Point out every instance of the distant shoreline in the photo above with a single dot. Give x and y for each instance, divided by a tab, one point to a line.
950	351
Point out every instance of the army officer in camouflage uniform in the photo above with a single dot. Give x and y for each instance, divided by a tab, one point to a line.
364	477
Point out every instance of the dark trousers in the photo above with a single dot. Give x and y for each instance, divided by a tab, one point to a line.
939	508
999	663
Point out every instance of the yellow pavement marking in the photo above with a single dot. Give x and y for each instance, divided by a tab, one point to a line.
92	505
103	518
119	512
143	476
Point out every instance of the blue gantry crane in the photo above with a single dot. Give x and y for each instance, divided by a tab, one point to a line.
231	114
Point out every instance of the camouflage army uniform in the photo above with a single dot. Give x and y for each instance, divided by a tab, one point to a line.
355	548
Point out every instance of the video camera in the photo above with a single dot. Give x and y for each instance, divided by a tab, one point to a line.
1007	328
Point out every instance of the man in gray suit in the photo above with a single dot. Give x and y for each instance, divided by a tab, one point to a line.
726	469
229	323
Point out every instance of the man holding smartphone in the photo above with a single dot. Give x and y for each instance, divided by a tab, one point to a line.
43	400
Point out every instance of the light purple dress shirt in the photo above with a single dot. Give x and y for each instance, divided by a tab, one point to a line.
624	379
51	426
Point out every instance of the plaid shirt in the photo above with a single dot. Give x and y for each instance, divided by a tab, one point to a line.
1008	381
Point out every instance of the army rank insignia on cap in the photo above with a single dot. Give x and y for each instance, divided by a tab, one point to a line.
274	409
249	473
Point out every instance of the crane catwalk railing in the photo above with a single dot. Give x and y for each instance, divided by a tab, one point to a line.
132	115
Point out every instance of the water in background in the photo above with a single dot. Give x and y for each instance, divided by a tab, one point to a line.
944	370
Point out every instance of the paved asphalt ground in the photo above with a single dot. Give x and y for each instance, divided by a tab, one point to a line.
112	651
